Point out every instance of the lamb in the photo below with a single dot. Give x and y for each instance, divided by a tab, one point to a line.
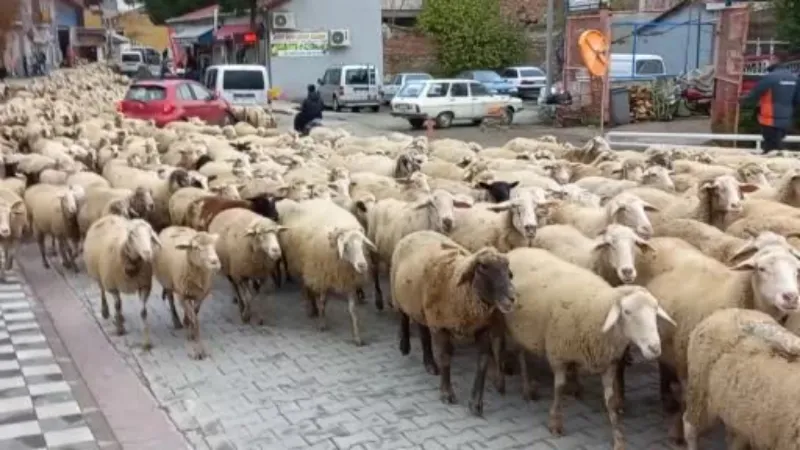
180	201
612	255
742	370
767	281
119	253
325	246
718	200
505	225
202	211
184	266
101	201
248	248
658	177
53	212
577	320
389	220
161	189
445	289
624	209
13	224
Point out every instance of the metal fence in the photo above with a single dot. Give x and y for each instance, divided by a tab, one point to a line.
682	45
586	93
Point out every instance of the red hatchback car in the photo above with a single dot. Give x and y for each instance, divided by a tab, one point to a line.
169	100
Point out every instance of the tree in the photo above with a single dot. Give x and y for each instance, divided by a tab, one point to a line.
471	34
787	21
240	7
161	10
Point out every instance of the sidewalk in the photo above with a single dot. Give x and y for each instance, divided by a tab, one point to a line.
43	402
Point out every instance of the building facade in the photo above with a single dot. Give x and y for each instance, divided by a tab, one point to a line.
32	42
293	70
134	24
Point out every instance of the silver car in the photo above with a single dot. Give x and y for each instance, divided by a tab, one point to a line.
393	87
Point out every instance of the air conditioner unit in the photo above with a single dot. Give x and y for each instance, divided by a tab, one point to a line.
339	38
283	21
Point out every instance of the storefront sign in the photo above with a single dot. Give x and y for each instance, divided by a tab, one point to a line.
299	43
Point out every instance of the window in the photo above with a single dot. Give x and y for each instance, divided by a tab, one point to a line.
131	57
649	67
332	76
510	73
464	76
211	79
398	80
532	73
360	76
146	93
486	76
200	93
185	93
478	90
411	90
438	89
459	90
245	80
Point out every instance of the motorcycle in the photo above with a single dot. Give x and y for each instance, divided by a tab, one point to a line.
697	101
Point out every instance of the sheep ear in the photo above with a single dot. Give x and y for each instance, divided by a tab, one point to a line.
424	203
281	229
155	238
612	318
403	181
513	185
369	243
663	314
469	272
746	251
462	201
183	246
645	246
708	185
602	244
213	237
748	187
361	205
745	265
251	231
483	185
18	207
649	207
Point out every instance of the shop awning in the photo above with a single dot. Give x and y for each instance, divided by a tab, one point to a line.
229	31
199	34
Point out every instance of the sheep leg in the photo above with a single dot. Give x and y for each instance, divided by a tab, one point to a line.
666	379
689	432
197	351
277	277
485	349
67	255
444	353
529	391
311	305
119	321
322	321
103	304
352	308
170	296
621	365
11	254
144	296
574	386
40	242
497	347
236	294
610	398
245	300
427	350
376	281
360	296
405	334
53	246
736	441
6	255
556	421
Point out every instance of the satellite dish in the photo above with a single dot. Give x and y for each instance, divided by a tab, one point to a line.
593	46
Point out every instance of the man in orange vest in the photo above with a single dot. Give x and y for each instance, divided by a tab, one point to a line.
777	94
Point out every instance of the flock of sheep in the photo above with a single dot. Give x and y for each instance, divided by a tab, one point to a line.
581	256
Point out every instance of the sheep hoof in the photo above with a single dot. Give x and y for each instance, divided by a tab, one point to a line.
235	300
476	408
147	346
448	397
431	368
120	330
670	405
360	296
530	396
176	323
556	427
500	386
405	347
358	342
198	353
322	326
46	264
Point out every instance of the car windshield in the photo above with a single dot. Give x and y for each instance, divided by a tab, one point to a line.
487	76
531	73
412	90
146	93
244	80
361	75
131	57
418	77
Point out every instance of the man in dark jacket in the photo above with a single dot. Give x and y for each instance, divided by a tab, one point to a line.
777	94
310	109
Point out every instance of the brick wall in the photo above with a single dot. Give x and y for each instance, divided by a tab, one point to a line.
406	50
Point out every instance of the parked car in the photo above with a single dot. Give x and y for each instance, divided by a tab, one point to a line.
491	79
628	67
239	84
131	58
353	86
390	89
528	80
173	99
450	100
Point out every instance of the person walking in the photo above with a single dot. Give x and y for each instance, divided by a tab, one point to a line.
310	109
777	94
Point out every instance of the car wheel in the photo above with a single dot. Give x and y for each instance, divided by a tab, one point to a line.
336	106
508	116
355	109
416	123
375	108
444	120
477	121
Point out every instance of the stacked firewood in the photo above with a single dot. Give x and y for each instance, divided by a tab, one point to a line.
641	103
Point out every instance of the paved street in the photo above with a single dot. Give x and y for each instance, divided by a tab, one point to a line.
284	385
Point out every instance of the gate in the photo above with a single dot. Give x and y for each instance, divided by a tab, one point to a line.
586	90
729	68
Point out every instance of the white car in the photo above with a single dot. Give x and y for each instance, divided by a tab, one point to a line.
390	89
529	80
450	100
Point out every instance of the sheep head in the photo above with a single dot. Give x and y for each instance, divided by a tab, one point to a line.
263	238
627	209
488	274
201	251
349	245
774	279
635	311
439	207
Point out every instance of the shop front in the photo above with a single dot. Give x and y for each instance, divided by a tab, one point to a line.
195	43
238	44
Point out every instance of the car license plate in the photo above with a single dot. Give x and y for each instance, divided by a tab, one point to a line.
243	96
403	107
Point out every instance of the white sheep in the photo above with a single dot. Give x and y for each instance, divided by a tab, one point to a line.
184	266
119	253
624	209
575	319
54	212
13	224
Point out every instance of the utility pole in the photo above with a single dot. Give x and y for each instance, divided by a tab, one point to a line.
549	50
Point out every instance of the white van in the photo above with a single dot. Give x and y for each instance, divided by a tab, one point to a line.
239	84
627	66
350	86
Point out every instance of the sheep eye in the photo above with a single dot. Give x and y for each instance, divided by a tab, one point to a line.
510	275
627	312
